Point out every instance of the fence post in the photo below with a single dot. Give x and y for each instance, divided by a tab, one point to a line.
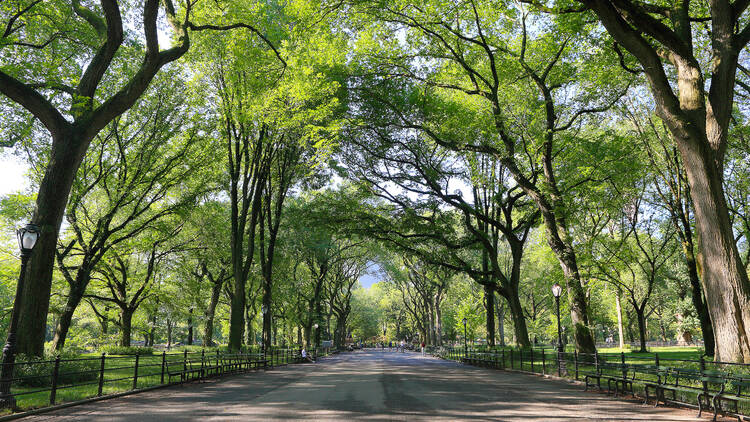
622	361
703	368
575	358
511	359
184	361
163	365
101	377
544	364
135	372
55	372
520	354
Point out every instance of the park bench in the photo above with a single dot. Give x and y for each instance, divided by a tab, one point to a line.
660	372
611	372
185	369
739	390
690	381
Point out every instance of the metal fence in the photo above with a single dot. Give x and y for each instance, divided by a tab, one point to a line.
43	383
688	380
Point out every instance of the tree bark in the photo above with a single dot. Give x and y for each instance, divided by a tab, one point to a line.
500	309
724	277
520	332
696	295
208	325
438	323
190	327
75	296
126	325
640	313
65	157
618	304
489	297
267	319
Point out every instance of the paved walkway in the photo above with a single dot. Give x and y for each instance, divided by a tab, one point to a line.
372	386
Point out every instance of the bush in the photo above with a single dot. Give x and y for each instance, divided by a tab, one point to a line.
129	350
33	372
192	349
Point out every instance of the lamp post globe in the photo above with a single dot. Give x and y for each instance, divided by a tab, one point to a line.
27	239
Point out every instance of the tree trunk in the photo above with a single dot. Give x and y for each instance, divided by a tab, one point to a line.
582	335
64	159
618	304
105	321
697	298
75	295
267	318
489	297
724	277
152	331
641	314
208	326
520	331
190	327
126	324
438	323
169	334
249	333
500	309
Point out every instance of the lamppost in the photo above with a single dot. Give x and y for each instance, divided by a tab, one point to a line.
27	237
556	292
315	336
466	347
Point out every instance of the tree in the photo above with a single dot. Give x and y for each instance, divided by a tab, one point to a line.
695	99
62	62
128	182
476	61
120	269
673	190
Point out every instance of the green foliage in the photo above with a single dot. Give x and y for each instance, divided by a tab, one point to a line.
33	372
129	350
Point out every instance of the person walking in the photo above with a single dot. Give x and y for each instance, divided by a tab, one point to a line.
423	353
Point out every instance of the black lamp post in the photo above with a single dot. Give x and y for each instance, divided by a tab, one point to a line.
556	292
466	348
27	237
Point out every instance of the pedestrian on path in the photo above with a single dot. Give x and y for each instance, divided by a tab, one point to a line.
423	354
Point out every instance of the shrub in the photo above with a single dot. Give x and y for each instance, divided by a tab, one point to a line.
129	350
33	372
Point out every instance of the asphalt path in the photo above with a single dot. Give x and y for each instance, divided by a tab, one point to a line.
370	386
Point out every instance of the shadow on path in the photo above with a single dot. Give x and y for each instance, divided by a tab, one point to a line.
370	385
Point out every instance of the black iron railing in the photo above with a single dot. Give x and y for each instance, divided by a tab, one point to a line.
686	380
43	383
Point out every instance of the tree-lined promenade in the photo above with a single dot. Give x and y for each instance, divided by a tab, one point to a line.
366	385
226	174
